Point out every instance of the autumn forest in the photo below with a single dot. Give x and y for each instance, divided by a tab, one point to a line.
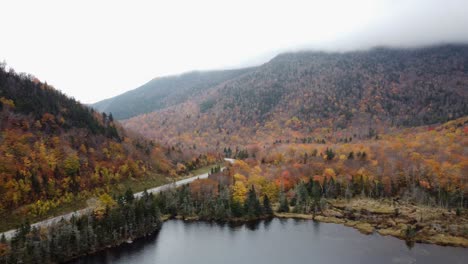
376	140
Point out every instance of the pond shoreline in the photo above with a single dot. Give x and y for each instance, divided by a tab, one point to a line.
365	215
405	221
279	240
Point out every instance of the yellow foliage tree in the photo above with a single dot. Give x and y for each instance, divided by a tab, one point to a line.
240	177
239	192
271	190
329	173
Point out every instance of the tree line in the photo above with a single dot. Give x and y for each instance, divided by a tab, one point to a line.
125	218
121	220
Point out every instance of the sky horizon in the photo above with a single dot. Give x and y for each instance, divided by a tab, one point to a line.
94	51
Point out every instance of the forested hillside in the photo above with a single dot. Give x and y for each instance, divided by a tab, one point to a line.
316	96
54	150
163	92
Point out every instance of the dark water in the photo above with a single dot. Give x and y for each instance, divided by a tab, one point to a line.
269	242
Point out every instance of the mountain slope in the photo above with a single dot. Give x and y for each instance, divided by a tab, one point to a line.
320	96
163	92
54	149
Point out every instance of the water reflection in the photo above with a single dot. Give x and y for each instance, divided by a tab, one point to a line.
252	225
409	244
114	254
267	223
283	221
270	242
316	227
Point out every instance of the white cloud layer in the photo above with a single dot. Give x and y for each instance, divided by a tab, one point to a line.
97	49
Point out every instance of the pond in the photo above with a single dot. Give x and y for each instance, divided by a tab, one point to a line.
269	242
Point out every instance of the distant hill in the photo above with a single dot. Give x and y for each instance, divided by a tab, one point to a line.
163	92
54	149
329	96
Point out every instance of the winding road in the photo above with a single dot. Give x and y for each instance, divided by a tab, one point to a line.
9	234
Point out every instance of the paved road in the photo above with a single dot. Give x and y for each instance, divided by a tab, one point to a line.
9	234
172	185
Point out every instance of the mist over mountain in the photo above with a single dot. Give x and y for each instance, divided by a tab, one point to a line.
164	92
228	120
301	92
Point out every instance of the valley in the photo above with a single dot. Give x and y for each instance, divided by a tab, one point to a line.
213	131
373	140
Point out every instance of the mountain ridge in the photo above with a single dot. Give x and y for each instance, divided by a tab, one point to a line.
298	94
164	91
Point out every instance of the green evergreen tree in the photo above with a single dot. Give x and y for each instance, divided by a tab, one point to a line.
129	196
302	198
284	204
267	206
329	154
236	209
252	205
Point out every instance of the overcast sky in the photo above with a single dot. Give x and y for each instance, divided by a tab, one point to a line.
93	50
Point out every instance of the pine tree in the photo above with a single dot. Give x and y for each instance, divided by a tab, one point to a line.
129	196
284	205
267	206
329	154
316	192
252	206
236	208
331	189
